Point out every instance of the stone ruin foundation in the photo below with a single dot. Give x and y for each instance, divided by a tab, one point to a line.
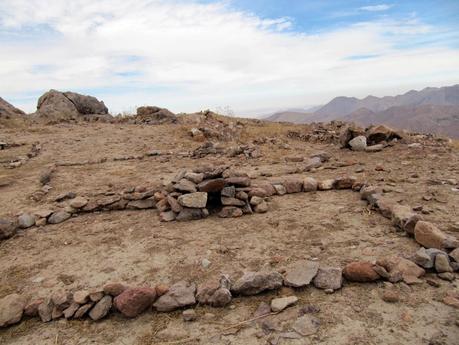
203	192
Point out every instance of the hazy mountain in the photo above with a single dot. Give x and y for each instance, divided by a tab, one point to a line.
433	110
342	106
427	118
289	116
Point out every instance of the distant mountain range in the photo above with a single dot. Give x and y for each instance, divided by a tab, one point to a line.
289	116
433	110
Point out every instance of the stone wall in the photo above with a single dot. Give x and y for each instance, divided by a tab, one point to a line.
194	195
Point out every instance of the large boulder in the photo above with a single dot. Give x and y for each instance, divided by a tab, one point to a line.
348	133
377	134
57	106
154	115
360	271
132	302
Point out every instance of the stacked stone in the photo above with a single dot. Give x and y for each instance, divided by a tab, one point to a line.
187	197
439	251
70	204
191	193
132	301
34	152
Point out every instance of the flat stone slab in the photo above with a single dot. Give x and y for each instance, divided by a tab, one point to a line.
301	273
279	304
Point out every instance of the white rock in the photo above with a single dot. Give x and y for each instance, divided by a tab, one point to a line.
358	143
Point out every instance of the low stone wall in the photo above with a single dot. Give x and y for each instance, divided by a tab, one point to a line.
15	163
187	197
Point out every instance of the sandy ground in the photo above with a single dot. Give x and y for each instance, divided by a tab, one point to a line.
134	247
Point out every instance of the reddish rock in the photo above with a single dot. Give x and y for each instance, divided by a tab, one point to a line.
230	212
360	271
31	309
451	301
215	185
161	289
132	302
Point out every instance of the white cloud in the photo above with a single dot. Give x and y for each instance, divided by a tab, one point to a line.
377	8
189	56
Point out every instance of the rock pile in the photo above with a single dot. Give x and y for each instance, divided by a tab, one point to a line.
319	132
242	151
211	126
63	106
194	194
371	139
151	115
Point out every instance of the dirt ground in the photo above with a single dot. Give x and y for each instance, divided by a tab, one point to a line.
335	227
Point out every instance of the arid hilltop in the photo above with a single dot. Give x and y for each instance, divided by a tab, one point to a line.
162	228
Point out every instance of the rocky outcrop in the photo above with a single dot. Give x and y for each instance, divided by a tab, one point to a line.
151	115
8	111
61	106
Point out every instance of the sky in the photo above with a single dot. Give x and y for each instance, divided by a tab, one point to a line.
253	56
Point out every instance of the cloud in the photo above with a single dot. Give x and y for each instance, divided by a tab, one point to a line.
189	56
377	8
